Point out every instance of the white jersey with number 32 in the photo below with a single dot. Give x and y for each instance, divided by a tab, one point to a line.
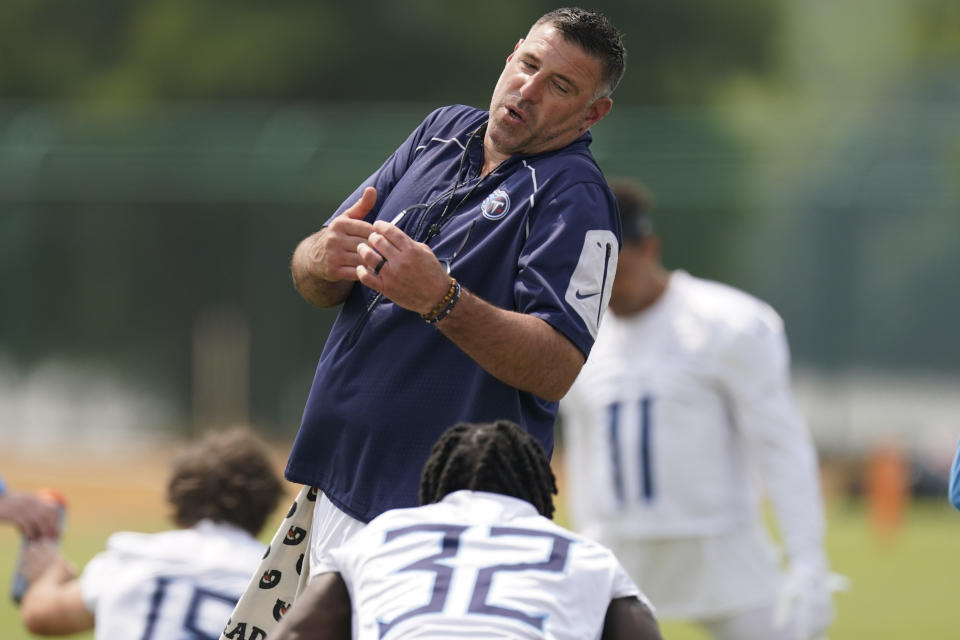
477	564
174	585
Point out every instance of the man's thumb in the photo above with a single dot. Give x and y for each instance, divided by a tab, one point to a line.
363	205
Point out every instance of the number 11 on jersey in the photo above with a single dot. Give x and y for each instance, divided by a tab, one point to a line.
622	459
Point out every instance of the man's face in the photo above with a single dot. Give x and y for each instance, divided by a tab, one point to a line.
545	97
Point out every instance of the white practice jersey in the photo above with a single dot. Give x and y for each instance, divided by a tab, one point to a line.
174	585
477	565
675	415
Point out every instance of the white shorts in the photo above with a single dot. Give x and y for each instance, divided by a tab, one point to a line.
700	578
331	527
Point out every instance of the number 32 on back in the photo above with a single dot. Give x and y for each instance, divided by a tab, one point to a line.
450	545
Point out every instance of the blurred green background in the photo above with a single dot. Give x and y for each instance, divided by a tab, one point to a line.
159	162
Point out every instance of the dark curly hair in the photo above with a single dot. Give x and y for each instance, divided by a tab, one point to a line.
498	457
228	476
594	33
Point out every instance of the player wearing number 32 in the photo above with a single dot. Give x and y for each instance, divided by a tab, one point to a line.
684	403
479	559
174	584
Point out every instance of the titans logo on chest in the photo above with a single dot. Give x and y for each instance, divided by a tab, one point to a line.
496	205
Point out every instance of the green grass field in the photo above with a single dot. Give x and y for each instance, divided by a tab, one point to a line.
904	587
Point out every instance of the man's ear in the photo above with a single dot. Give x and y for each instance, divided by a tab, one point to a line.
652	247
515	47
597	110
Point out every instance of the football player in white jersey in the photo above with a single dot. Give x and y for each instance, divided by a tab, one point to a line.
681	416
480	559
176	585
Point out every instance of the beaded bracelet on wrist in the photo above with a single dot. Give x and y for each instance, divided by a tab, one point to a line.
443	303
445	306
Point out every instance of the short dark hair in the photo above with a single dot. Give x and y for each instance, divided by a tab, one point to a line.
635	204
498	457
228	476
596	35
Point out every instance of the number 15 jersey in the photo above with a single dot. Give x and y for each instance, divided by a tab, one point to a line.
478	565
172	585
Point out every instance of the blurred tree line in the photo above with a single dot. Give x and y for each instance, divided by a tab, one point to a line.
159	160
427	50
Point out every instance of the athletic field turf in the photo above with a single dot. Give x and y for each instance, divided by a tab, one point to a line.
904	587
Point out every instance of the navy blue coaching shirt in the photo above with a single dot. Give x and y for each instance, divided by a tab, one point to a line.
539	235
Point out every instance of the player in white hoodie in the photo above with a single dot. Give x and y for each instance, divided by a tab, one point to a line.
683	405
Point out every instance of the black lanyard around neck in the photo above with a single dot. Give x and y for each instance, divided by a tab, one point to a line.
449	211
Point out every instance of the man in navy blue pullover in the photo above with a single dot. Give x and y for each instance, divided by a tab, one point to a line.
472	267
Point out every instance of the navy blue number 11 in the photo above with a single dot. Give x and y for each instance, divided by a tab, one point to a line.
615	440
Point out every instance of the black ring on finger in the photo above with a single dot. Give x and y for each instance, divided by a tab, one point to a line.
376	269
